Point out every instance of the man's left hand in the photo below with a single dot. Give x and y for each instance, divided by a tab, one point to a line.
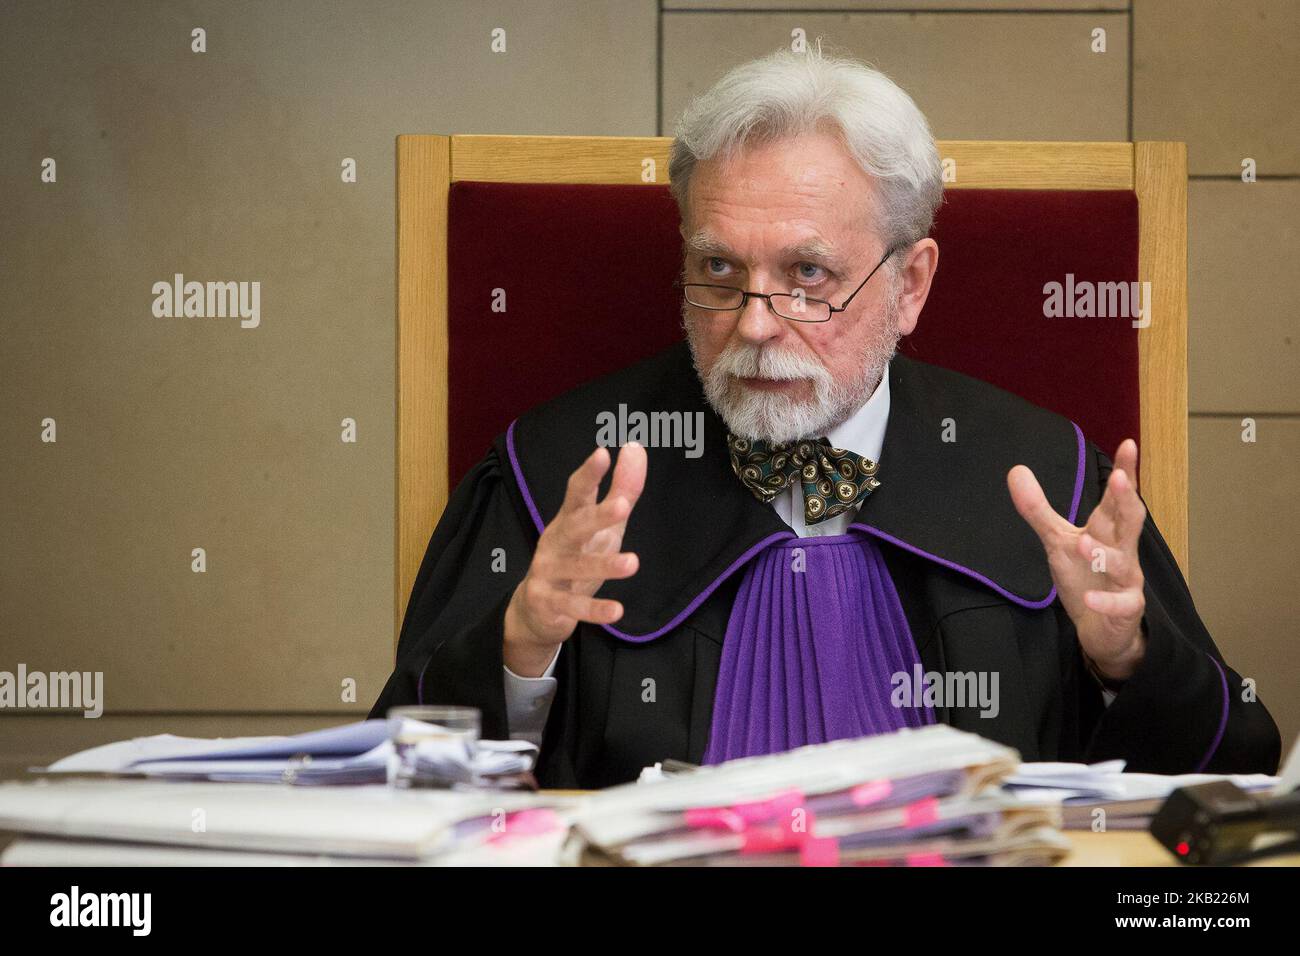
1095	568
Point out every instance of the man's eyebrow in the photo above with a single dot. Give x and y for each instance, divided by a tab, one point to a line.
702	242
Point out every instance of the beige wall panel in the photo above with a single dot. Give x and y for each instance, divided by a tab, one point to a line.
192	432
28	740
1243	246
976	76
1222	77
1244	528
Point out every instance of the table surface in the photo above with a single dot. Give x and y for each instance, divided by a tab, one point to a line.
1117	849
1136	848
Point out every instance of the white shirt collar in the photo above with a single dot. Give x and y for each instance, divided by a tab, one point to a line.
862	432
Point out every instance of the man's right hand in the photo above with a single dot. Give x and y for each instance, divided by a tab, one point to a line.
576	553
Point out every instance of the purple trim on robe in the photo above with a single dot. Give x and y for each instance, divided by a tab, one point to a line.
703	595
988	582
811	653
695	601
1078	473
519	479
731	569
1223	721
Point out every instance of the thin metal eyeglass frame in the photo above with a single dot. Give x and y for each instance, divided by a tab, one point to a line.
745	295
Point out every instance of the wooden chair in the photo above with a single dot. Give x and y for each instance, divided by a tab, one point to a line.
429	166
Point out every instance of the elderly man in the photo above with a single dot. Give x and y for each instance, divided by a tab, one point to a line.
829	566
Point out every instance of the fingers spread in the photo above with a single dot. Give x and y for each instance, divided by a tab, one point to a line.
1117	565
582	485
589	567
629	473
1128	603
580	607
1027	495
1132	513
1120	514
575	531
1126	459
1101	523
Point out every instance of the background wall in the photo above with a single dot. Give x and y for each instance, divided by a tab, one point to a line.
225	165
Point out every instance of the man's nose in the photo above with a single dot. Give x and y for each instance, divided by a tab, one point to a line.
758	324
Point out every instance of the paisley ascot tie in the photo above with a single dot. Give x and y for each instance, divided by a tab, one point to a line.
834	480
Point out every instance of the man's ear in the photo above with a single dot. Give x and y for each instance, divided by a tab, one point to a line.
919	266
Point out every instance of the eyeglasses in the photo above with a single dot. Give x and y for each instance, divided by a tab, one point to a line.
794	306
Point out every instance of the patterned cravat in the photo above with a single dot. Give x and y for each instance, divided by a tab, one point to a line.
834	480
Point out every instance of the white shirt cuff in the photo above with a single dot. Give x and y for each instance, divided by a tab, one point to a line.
528	702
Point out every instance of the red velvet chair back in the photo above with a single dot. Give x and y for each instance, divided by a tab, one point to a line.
586	274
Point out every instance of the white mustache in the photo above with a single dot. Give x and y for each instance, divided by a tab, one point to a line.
775	416
752	361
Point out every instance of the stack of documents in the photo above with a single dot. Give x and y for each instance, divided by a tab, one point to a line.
924	797
1128	800
127	817
357	753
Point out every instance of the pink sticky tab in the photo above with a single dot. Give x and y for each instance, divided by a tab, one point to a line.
926	859
767	840
525	823
533	821
820	851
873	791
779	808
714	818
920	813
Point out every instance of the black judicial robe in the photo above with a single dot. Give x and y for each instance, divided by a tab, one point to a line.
971	575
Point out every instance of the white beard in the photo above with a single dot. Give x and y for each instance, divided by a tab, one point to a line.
774	417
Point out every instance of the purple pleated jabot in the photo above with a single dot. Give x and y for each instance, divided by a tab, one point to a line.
816	637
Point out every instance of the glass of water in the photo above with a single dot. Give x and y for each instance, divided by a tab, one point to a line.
433	746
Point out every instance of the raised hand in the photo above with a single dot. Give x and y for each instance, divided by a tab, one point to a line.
576	553
1096	567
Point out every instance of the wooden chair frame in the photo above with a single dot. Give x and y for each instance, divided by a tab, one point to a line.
427	165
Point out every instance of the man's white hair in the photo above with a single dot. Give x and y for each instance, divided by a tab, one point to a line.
786	94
